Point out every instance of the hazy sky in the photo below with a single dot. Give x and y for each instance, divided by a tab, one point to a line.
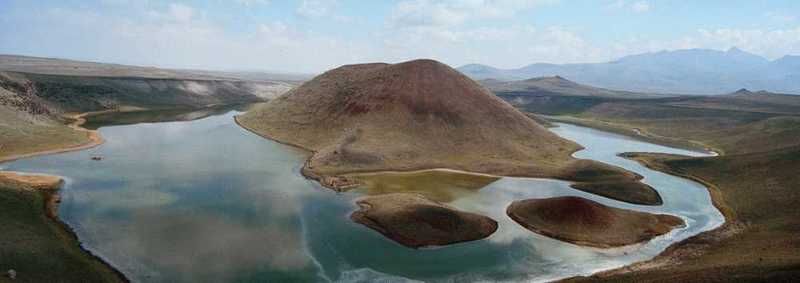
314	35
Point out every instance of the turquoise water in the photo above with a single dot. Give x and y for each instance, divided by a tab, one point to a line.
206	201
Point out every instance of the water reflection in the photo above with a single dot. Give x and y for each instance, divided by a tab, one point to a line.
156	116
438	185
206	201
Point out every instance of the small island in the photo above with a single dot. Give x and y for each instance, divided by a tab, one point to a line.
630	192
414	221
415	115
411	116
584	222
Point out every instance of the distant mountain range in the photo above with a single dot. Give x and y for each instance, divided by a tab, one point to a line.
557	85
690	71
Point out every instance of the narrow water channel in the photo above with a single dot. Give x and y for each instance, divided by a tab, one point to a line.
206	201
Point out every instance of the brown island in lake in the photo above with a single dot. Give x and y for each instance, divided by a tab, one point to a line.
414	221
585	222
631	192
410	116
416	115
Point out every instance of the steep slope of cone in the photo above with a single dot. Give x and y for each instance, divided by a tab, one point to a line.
412	115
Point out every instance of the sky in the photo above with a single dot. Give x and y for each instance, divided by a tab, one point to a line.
310	36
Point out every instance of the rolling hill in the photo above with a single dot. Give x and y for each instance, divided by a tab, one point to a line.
414	115
36	92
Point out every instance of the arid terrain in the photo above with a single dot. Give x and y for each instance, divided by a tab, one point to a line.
361	120
418	115
34	242
43	105
415	115
188	141
585	222
38	96
415	221
754	181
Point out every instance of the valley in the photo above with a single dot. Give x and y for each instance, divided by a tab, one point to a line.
752	181
397	186
399	141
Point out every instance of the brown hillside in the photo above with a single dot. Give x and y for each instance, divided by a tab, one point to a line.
413	115
585	222
414	221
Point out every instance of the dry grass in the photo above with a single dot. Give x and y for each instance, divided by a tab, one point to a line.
412	116
754	183
436	185
414	221
758	194
585	222
23	136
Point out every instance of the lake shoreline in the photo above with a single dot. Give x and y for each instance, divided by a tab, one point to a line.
48	187
330	181
671	247
665	256
693	244
93	138
51	194
696	243
636	133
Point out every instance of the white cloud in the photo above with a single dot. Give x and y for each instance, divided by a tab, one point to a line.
180	12
771	43
183	36
316	8
640	7
780	17
251	3
504	47
179	36
440	30
637	7
450	13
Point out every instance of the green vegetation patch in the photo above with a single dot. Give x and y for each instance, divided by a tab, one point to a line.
39	248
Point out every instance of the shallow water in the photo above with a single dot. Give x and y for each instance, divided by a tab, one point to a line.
206	201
